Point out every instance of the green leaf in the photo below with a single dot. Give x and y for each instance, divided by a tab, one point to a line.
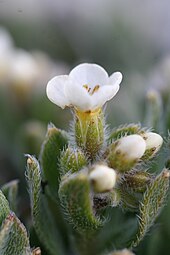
13	237
152	203
4	207
10	190
55	142
43	220
75	197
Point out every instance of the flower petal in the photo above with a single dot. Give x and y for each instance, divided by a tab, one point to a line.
89	74
104	94
55	90
78	96
115	78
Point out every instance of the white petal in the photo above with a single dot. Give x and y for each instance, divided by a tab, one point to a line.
90	74
78	96
103	94
55	90
115	78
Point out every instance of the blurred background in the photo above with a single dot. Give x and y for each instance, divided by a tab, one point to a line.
43	38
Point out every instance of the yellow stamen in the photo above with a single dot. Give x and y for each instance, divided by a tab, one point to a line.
96	88
89	90
86	87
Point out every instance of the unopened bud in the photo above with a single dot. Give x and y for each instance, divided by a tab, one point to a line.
103	178
153	141
72	160
132	147
122	252
153	144
125	153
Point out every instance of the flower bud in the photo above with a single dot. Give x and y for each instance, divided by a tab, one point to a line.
132	147
124	153
153	141
122	252
103	178
72	160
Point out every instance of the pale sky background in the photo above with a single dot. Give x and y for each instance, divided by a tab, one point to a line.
152	17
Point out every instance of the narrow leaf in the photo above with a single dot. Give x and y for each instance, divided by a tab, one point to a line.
75	197
13	237
44	223
10	190
153	201
4	207
55	142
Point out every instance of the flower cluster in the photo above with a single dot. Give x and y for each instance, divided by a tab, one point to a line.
87	88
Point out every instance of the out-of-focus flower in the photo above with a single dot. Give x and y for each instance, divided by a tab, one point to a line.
24	69
6	51
47	68
103	178
159	78
87	87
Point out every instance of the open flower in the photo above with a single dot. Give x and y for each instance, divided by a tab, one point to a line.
87	87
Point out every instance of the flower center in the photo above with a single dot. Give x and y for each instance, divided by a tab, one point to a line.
90	90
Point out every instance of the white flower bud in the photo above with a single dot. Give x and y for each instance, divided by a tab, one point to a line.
131	147
122	252
103	178
153	141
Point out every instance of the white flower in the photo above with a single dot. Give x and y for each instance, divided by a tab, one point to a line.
131	147
153	141
24	69
87	87
6	51
103	178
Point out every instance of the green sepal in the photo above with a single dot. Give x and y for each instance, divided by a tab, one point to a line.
10	190
117	160
43	220
72	160
124	130
13	237
153	201
112	198
75	197
55	141
89	132
128	201
136	181
4	207
149	154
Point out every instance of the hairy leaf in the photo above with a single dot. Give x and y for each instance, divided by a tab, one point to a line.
13	237
43	220
153	201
